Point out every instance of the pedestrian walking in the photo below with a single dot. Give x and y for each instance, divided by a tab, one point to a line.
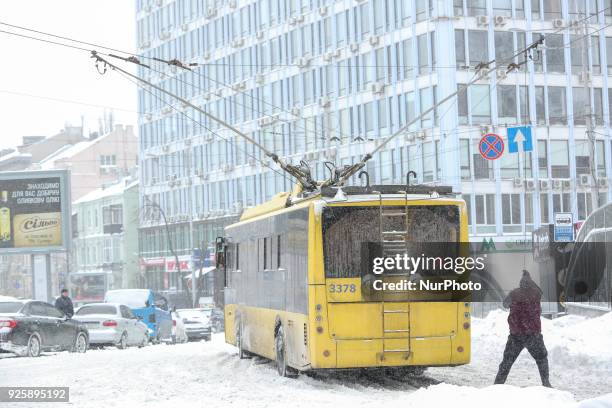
64	304
525	329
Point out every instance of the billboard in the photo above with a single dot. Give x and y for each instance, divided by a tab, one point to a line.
34	211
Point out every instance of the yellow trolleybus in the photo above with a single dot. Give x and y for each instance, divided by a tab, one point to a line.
297	290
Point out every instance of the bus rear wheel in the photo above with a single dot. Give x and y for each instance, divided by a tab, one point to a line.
284	370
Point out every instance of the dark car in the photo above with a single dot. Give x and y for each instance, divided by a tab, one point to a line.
217	319
29	327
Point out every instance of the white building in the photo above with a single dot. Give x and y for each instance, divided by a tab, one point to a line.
324	80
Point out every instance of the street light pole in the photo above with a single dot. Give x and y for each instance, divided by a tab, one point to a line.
170	246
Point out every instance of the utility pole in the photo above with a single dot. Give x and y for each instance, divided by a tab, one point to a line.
194	281
589	116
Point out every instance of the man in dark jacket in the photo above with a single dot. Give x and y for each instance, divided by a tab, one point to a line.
64	304
525	329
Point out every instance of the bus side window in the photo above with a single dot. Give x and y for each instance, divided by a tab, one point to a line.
278	251
261	254
265	254
237	257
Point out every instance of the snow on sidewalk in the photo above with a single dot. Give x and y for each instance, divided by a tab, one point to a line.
579	354
211	375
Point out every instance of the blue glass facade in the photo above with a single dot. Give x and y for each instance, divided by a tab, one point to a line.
325	80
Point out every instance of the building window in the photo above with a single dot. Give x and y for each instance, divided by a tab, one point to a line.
485	213
364	11
483	170
609	54
506	104
429	161
540	104
108	160
557	113
554	53
528	212
462	104
585	206
509	166
535	9
519	8
559	160
552	9
582	157
579	106
544	219
480	105
502	8
464	145
524	116
460	49
421	9
598	106
386	167
478	46
543	158
601	158
427	100
476	7
382	114
458	7
511	212
423	53
504	45
595	55
561	202
468	207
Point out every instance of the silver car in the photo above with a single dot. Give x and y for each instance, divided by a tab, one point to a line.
196	322
112	324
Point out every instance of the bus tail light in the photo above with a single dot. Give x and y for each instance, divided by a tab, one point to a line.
173	322
466	325
109	323
460	349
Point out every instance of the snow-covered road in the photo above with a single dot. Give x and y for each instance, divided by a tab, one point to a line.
211	375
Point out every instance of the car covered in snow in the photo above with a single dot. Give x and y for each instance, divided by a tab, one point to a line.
29	327
112	324
197	323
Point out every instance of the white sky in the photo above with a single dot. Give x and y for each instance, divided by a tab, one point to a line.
47	70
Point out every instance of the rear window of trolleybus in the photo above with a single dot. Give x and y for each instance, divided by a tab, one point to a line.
351	234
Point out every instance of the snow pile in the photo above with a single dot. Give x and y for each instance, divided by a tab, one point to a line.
499	396
605	401
7	298
571	340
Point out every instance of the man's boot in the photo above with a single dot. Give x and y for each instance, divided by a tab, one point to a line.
543	368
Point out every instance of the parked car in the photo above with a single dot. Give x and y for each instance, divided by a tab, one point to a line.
197	323
29	327
112	324
150	306
217	320
179	335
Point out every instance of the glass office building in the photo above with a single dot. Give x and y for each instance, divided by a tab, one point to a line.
325	80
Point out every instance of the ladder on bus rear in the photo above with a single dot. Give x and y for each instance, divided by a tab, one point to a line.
395	240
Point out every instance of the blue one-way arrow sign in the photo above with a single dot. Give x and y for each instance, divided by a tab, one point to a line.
519	139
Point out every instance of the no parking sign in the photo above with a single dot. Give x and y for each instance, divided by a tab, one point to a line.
491	146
